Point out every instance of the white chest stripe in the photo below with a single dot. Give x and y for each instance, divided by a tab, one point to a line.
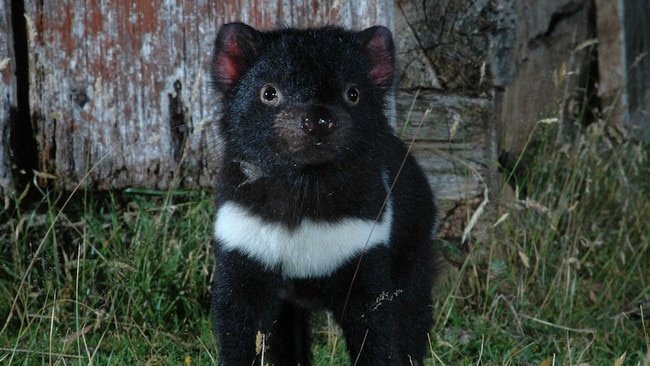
312	249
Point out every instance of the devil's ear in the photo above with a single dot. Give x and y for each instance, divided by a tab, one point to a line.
235	49
377	43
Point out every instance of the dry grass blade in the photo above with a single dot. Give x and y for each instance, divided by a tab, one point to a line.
558	326
41	245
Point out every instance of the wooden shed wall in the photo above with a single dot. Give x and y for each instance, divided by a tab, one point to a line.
118	91
118	94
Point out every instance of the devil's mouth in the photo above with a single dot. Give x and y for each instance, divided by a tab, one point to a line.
314	153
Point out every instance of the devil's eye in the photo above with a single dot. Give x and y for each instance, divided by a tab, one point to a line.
352	95
270	95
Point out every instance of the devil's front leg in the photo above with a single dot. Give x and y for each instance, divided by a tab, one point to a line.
244	304
364	303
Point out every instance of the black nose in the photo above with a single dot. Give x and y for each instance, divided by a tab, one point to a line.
318	122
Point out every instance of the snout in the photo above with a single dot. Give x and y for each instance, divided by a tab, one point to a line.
310	135
318	123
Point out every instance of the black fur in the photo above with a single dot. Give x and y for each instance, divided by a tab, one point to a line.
306	137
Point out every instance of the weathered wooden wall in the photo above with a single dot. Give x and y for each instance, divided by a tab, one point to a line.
573	56
443	57
548	66
118	95
452	143
496	67
117	90
7	97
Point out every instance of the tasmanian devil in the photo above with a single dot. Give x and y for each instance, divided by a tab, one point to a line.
319	205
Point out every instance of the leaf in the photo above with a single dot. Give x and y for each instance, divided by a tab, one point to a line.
547	362
475	216
501	219
4	63
259	342
454	126
548	121
498	267
587	43
619	361
524	259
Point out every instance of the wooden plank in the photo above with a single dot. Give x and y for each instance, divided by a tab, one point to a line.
611	64
462	49
636	25
8	96
452	143
548	66
116	88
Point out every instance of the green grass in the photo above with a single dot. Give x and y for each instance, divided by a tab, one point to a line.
115	280
565	277
123	278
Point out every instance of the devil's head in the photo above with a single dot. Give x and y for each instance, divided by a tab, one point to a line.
297	99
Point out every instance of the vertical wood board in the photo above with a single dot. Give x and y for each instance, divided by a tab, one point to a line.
548	65
636	25
7	95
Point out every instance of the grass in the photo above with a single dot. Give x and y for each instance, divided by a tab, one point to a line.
117	279
123	278
565	278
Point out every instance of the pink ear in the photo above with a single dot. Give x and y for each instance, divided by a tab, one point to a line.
235	50
226	68
378	43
